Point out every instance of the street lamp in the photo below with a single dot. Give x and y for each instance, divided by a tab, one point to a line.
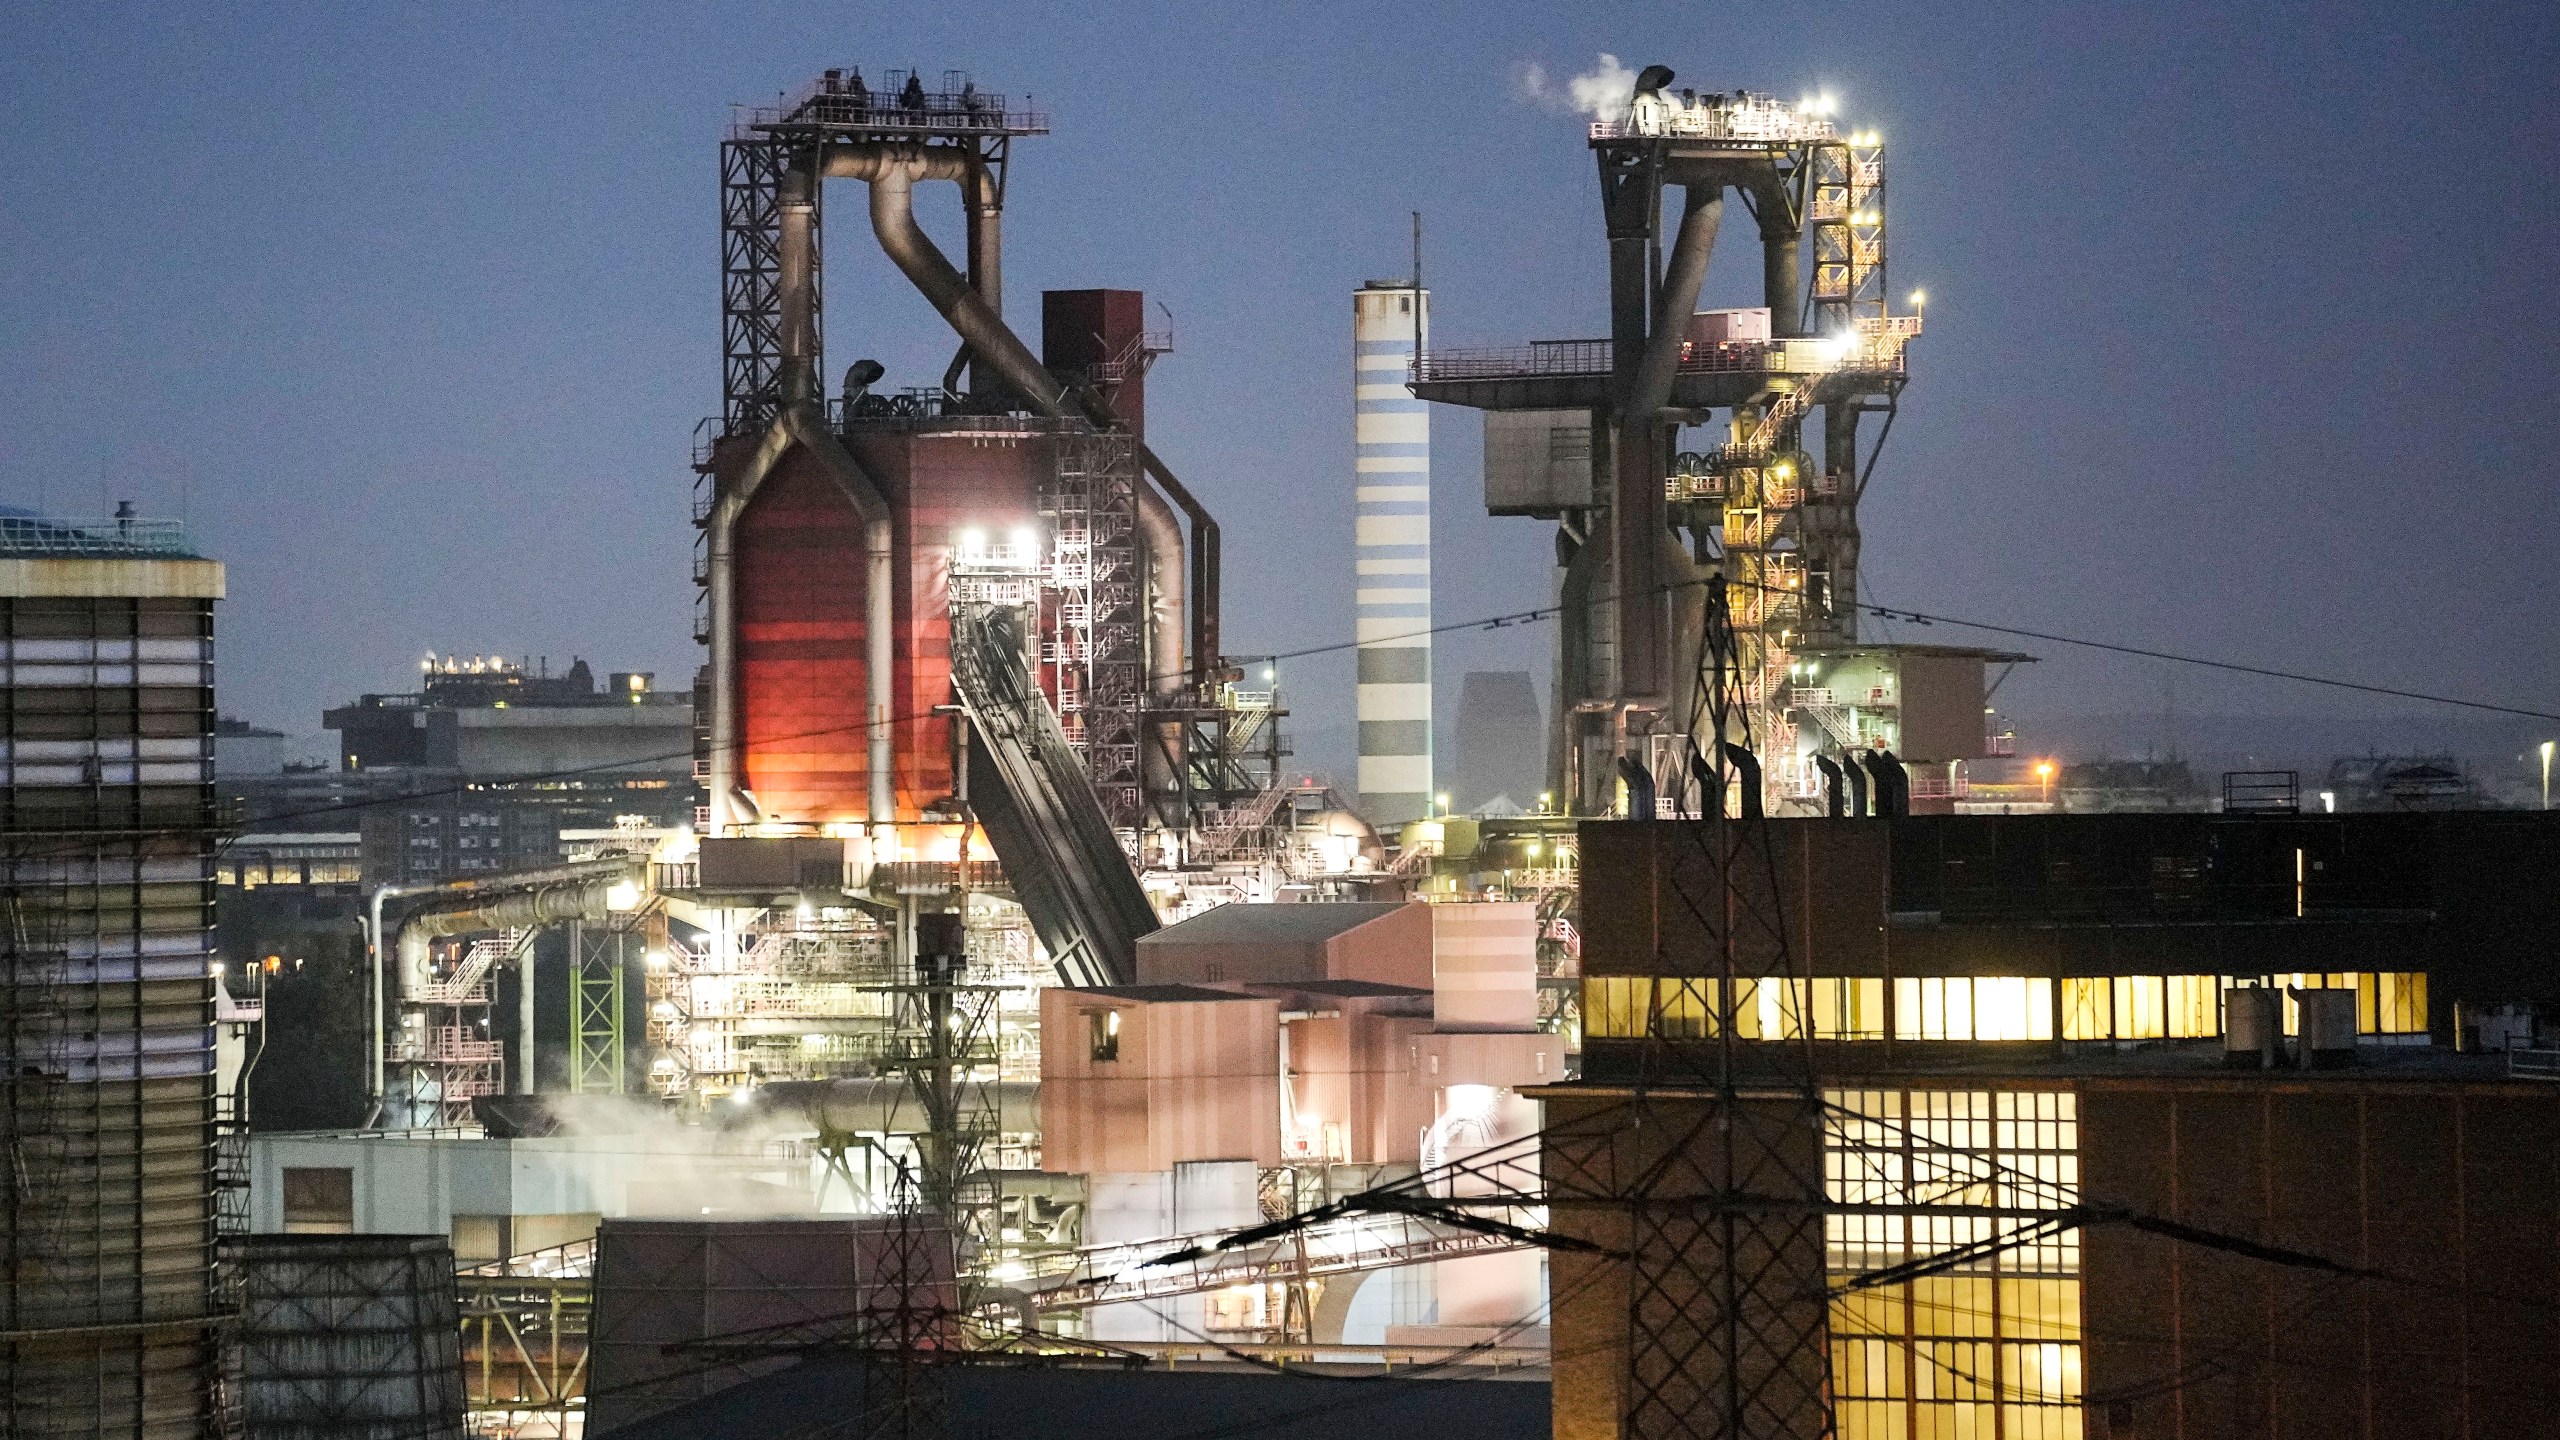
2546	773
2044	777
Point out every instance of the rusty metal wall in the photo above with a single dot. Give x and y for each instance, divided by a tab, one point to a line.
2446	1187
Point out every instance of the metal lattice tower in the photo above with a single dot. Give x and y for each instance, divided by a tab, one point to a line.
1092	651
599	959
751	167
1702	1193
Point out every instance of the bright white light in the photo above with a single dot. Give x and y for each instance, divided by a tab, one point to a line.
973	541
622	895
1919	298
1026	542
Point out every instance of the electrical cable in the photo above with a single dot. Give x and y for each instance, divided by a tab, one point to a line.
1483	623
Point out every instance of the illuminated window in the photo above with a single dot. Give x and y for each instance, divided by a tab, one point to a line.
1980	1007
1966	1007
1102	1031
1617	1007
1992	1348
2195	1006
2398	1005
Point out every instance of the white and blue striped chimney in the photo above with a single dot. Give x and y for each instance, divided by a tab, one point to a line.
1392	550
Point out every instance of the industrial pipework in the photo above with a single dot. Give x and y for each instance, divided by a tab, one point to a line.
531	899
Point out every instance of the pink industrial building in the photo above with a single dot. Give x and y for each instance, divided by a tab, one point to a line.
1317	1033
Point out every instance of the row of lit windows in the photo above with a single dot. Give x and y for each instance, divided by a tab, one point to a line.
1974	1007
290	872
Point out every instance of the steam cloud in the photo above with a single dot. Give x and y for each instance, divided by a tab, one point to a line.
1601	92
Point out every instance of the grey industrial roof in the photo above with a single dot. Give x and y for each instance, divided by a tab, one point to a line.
1064	1401
1292	924
1345	989
1161	994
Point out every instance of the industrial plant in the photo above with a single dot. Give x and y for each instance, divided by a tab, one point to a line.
958	987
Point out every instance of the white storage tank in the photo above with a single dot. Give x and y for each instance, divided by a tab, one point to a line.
2253	1027
2326	1027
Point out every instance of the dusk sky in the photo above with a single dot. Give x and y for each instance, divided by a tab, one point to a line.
2242	335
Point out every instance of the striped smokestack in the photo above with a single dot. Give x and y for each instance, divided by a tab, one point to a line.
1392	543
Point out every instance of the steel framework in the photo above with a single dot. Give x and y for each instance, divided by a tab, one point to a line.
1727	1312
753	160
751	167
600	963
1092	650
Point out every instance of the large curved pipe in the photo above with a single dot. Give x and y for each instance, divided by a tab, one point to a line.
892	171
721	581
984	196
1683	272
537	897
1781	256
1637	519
545	897
1204	569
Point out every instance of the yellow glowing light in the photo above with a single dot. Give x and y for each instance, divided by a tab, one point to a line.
1919	298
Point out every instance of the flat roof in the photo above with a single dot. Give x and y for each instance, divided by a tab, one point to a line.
1283	924
1343	989
1161	994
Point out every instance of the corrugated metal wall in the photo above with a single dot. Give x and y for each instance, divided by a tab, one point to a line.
350	1337
105	931
2448	1187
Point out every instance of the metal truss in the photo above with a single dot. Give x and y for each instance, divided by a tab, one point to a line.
600	959
1092	658
751	168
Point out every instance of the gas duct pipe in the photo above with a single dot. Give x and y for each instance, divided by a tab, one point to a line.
891	171
799	422
526	901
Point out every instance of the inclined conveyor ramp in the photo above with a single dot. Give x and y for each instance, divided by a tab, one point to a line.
1029	788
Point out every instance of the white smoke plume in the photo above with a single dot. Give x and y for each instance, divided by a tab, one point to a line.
1601	92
